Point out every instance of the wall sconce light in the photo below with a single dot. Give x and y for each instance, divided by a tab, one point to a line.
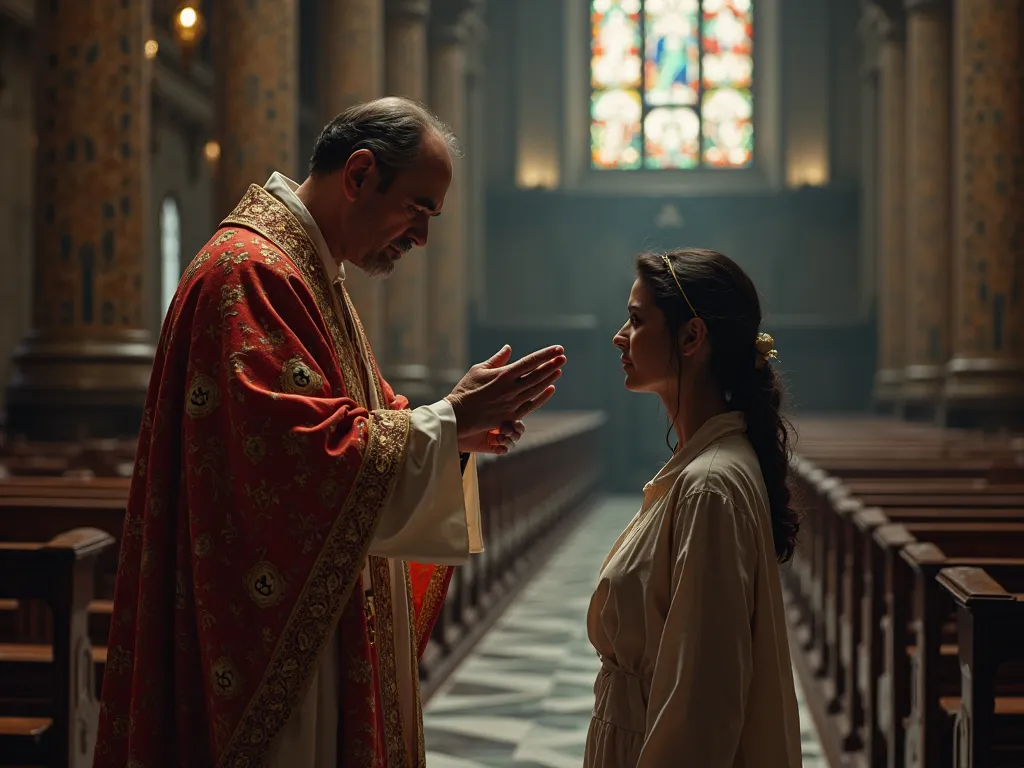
211	151
189	28
152	48
807	173
537	175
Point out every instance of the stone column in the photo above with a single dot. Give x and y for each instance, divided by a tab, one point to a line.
985	377
929	202
868	30
475	142
353	72
84	368
406	347
448	277
892	229
255	57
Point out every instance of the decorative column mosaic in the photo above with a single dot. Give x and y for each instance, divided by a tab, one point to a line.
353	72
929	200
406	324
255	56
84	368
892	224
986	372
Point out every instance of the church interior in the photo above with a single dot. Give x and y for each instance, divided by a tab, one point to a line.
862	160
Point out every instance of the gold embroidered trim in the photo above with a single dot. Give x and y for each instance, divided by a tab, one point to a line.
421	747
364	345
387	670
323	597
268	217
433	598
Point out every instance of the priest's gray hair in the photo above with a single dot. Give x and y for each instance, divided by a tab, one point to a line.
392	129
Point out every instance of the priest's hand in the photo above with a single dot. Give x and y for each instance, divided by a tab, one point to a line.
497	441
495	392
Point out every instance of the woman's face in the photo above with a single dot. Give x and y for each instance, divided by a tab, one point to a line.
645	345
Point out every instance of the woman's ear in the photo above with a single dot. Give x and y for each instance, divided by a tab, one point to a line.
692	337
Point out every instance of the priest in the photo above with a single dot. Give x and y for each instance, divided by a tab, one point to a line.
292	524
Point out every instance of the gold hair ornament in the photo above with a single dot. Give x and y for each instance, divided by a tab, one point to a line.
765	345
668	263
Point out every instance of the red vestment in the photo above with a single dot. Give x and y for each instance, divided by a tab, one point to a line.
260	478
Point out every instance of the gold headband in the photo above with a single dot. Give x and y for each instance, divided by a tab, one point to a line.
668	263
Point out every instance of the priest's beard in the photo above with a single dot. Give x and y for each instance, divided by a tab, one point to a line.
381	264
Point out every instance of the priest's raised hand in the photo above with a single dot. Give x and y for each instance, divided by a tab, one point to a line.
494	396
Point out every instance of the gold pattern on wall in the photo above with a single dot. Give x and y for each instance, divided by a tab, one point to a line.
92	169
255	54
988	314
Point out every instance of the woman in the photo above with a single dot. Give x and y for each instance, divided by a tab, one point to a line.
688	617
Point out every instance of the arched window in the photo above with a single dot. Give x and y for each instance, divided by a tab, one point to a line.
170	251
671	84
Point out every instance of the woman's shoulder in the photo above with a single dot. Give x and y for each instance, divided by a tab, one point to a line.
727	468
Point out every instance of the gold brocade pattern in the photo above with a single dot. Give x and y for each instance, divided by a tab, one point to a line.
323	597
337	569
387	672
264	214
432	599
364	344
414	633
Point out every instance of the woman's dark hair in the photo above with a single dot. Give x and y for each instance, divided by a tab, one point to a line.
392	129
724	297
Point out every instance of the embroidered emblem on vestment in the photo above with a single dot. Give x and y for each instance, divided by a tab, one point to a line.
265	584
202	398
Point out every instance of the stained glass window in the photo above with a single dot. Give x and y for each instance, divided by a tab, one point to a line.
671	84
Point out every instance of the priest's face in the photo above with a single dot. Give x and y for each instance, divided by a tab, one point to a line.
392	218
644	344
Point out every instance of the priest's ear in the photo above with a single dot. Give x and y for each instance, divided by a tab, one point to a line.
358	172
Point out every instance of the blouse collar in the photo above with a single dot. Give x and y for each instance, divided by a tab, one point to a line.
711	431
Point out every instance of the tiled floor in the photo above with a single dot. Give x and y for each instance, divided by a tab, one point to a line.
523	697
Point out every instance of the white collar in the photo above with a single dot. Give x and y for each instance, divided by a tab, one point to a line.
283	188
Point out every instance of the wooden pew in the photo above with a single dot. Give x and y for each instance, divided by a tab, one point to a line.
822	581
913	550
830	584
58	730
990	633
863	607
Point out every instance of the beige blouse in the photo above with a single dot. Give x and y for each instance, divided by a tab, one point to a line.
689	623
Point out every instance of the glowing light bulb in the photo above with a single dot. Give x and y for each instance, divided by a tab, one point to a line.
188	17
212	151
152	49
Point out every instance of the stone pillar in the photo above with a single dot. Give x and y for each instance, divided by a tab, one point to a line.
406	324
871	17
353	72
256	98
475	142
448	277
929	202
84	368
985	376
892	229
